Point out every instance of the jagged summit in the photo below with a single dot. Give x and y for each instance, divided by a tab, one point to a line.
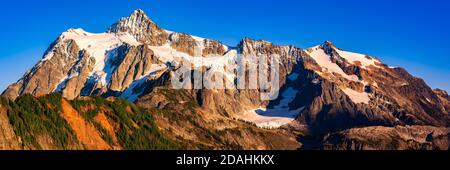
141	27
139	12
328	46
328	43
137	18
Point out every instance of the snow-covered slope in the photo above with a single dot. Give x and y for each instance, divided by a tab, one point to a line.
98	46
356	58
334	61
115	62
324	61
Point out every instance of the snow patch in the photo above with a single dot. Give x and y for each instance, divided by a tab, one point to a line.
133	91
167	54
355	57
168	32
357	97
154	68
48	56
198	39
61	84
327	65
128	38
270	118
315	81
278	116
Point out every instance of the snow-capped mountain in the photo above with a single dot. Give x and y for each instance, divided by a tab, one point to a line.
80	63
324	89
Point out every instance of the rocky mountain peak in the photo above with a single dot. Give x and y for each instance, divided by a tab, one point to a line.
141	27
328	46
136	20
247	40
139	16
251	46
329	43
139	12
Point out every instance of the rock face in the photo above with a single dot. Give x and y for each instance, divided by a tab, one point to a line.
346	95
444	98
47	74
339	97
390	138
183	43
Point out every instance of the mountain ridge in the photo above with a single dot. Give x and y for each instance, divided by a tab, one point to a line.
324	91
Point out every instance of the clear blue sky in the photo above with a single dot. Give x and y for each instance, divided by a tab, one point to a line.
411	34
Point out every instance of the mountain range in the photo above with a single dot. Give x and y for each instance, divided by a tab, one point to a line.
113	90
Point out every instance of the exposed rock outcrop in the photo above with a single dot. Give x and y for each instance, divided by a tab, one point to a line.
45	77
390	138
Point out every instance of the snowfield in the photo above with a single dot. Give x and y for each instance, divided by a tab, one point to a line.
357	97
278	116
327	65
98	45
361	58
324	61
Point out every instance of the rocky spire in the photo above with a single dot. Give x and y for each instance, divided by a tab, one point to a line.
329	47
141	27
328	44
